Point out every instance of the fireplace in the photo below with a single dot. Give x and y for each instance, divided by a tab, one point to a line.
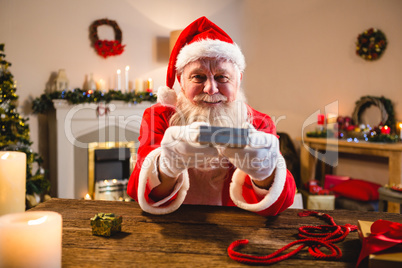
109	167
72	128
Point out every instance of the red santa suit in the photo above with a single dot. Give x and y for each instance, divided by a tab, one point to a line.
203	39
233	188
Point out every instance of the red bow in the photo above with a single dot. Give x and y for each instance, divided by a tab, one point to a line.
106	48
384	235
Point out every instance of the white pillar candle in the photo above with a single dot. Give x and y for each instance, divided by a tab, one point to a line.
126	78
139	85
118	79
12	182
31	239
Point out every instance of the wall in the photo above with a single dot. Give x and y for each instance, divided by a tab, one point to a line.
301	58
300	54
43	36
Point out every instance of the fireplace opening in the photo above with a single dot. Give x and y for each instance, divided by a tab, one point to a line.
112	163
109	167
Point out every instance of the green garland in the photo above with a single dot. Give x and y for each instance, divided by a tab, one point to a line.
320	134
387	138
44	103
388	116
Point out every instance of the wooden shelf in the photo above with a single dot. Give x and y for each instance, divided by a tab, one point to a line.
313	149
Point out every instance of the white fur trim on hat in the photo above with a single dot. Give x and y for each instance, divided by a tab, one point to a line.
149	174
166	96
236	188
209	48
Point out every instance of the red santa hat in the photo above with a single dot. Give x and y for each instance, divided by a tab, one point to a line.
201	39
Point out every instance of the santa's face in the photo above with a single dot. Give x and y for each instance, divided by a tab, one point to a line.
210	82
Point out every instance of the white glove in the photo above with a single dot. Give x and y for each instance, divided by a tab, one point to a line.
258	158
181	150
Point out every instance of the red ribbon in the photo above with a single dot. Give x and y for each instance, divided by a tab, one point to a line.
384	235
312	237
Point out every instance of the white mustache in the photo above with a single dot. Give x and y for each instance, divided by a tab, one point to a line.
210	98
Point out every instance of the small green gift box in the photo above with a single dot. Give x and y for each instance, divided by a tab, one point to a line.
106	224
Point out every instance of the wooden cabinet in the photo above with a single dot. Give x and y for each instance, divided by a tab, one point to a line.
313	149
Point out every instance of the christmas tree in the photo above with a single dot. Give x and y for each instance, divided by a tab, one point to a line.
15	134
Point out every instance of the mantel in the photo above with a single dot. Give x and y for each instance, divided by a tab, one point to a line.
68	122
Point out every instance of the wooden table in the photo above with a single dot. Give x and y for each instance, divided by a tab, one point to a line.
392	151
193	236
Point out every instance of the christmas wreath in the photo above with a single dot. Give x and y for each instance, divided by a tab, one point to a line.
106	48
371	44
385	106
387	118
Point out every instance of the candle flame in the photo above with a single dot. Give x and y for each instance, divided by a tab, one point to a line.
118	71
400	125
127	68
37	221
87	197
114	180
5	156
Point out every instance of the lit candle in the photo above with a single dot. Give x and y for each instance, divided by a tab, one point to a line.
320	122
118	79
31	239
385	130
12	182
101	84
150	85
127	68
400	131
320	119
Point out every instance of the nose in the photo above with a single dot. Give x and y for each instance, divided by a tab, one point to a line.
211	87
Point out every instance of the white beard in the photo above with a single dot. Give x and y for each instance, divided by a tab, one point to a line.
209	180
226	114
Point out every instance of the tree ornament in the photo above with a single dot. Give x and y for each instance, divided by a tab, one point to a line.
371	44
106	48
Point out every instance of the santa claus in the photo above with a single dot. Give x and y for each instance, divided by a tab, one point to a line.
173	168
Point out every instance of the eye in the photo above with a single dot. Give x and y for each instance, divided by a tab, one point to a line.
221	78
198	78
